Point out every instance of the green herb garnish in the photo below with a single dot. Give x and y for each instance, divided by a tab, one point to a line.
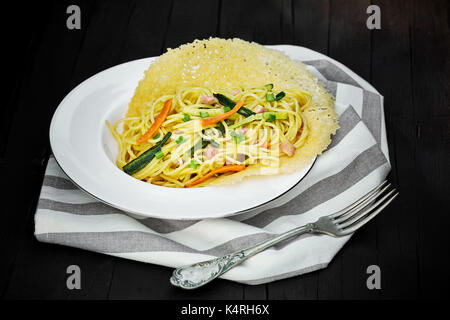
204	114
193	164
180	140
186	117
270	97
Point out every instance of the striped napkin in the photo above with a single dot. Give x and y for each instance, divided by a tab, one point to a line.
355	162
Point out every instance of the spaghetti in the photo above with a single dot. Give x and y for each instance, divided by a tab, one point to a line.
210	135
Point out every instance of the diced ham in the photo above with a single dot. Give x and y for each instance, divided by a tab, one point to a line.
242	130
211	152
235	92
259	109
208	99
287	148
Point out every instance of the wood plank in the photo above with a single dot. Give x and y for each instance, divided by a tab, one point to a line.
105	37
349	43
47	84
46	81
145	37
302	287
349	38
192	19
256	292
311	30
99	50
19	187
136	280
432	156
22	47
430	52
329	280
34	270
265	26
287	21
311	24
42	274
397	226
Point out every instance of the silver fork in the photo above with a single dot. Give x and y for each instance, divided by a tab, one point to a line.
339	224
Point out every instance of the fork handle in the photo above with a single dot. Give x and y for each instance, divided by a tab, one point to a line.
199	274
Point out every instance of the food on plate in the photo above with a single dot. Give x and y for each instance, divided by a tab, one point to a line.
215	111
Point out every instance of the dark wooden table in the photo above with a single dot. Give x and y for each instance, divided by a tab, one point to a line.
407	60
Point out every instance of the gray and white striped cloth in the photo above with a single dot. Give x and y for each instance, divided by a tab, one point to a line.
355	162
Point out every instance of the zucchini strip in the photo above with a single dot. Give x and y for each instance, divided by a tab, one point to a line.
227	102
140	162
202	143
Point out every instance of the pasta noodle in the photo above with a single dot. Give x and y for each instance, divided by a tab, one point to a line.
194	150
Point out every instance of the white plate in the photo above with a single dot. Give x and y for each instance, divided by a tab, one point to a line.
86	152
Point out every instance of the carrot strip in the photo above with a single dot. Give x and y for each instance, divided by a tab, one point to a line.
234	167
157	124
220	117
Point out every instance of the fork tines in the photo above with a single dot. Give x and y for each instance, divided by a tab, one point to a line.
365	209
